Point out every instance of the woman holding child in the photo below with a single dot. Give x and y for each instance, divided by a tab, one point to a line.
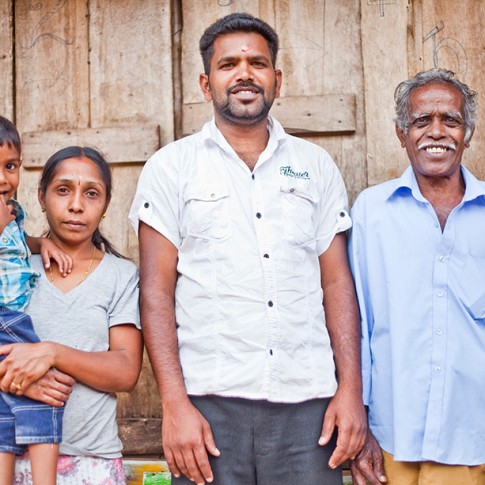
88	321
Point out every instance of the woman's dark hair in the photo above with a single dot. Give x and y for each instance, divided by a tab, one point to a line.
9	134
236	23
50	169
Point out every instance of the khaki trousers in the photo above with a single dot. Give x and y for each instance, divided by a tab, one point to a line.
431	473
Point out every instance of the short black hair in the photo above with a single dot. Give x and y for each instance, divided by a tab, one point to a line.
9	135
235	23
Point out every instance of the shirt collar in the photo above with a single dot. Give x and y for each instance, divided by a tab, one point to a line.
473	187
277	135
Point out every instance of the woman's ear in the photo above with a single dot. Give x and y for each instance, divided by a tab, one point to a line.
41	198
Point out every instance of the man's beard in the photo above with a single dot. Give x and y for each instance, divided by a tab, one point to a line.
239	114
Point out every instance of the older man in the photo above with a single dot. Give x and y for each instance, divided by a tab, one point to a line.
418	256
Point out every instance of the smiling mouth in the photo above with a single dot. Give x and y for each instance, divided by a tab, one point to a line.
246	89
437	148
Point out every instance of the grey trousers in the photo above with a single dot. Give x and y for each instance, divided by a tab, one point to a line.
263	443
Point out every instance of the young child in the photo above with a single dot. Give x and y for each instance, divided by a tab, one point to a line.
23	421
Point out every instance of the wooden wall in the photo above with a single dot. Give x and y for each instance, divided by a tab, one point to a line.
122	75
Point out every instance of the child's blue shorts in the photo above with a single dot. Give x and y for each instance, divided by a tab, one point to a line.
24	421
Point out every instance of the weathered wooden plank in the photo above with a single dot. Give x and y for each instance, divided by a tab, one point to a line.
130	64
311	115
6	59
302	46
456	42
140	435
51	65
120	144
343	69
384	50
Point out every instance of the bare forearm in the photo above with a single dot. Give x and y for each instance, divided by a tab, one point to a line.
341	312
160	335
343	326
109	371
158	279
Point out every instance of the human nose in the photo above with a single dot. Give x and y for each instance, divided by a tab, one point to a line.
245	71
76	204
436	128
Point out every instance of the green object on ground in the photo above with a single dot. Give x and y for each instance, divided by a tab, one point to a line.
157	478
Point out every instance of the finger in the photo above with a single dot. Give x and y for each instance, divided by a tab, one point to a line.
6	349
180	463
356	442
192	464
379	467
209	442
68	263
327	428
340	453
63	379
203	464
172	465
357	477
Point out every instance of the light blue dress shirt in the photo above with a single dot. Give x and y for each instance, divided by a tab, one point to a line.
422	301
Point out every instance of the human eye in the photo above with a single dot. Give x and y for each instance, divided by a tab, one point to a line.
226	66
420	121
12	166
62	190
452	121
91	193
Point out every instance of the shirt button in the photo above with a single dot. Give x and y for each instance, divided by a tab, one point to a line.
258	215
437	368
439	331
270	303
213	195
266	256
440	293
146	205
5	240
252	176
292	190
442	258
270	351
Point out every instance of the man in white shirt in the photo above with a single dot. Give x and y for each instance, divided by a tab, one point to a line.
241	226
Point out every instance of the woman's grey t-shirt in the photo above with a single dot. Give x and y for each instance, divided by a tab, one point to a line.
81	319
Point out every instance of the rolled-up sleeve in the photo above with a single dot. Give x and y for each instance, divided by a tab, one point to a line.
156	201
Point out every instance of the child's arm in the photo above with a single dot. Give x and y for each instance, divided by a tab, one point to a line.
49	250
6	216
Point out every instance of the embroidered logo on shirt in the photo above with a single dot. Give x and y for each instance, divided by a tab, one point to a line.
289	172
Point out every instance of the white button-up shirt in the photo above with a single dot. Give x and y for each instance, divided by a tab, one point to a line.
248	297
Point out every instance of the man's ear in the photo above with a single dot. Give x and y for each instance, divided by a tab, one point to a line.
401	135
467	143
205	86
279	80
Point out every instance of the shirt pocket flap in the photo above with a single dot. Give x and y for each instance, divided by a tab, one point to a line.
206	193
308	192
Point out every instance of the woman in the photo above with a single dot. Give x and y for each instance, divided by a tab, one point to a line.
88	321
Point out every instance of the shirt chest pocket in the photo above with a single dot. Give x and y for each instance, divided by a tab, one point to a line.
299	207
206	212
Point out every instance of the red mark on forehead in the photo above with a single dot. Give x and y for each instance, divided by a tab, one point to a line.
244	48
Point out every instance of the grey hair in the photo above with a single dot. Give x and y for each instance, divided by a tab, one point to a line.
403	92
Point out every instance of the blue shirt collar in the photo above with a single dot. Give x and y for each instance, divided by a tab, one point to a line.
473	187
